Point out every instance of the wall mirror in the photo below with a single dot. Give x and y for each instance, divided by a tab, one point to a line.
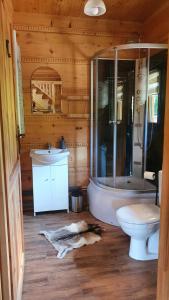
46	90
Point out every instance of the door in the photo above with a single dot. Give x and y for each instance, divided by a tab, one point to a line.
11	227
0	289
41	188
59	187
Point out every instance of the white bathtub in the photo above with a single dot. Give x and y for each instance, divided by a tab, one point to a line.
104	199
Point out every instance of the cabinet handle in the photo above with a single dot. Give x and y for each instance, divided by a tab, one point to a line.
46	179
53	179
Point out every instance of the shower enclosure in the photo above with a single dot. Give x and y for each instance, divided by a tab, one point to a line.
127	112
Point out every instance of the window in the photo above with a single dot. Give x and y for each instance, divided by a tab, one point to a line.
153	96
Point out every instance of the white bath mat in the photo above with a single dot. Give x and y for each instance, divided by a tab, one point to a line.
73	236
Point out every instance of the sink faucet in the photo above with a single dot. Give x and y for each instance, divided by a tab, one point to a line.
49	146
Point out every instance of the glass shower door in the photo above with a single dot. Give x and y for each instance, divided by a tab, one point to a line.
131	124
125	115
105	109
102	110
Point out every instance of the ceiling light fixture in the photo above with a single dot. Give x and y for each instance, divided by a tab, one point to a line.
94	8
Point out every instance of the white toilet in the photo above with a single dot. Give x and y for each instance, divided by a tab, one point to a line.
141	222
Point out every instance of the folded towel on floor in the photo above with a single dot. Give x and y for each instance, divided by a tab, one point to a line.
73	236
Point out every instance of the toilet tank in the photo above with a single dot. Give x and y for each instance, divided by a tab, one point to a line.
159	185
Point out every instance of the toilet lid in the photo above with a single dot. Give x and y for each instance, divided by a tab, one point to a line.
139	213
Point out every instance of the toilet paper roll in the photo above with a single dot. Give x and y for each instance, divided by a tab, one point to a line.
149	175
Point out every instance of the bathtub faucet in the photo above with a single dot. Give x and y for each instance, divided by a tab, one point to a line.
49	146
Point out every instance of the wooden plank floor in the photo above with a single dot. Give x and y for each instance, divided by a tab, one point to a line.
100	271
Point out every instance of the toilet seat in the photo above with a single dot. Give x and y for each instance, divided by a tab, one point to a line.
139	214
141	222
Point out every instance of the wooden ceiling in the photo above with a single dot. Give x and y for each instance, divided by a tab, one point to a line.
124	10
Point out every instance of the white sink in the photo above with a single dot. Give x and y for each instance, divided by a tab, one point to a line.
49	156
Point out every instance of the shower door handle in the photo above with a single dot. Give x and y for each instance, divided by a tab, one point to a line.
112	121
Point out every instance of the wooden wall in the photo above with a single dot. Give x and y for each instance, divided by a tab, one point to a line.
156	29
11	227
65	44
163	263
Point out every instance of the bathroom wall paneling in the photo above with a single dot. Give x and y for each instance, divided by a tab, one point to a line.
11	227
65	44
156	29
163	263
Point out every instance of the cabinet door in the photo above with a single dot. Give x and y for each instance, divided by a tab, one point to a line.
59	186
41	188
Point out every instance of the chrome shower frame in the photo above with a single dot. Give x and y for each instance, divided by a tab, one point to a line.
94	127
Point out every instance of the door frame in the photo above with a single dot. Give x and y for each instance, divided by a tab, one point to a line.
163	262
4	234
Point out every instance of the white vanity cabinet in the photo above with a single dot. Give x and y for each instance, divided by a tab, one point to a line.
50	186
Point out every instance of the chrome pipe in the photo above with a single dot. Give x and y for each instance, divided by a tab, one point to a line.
130	46
115	116
146	117
91	119
96	118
